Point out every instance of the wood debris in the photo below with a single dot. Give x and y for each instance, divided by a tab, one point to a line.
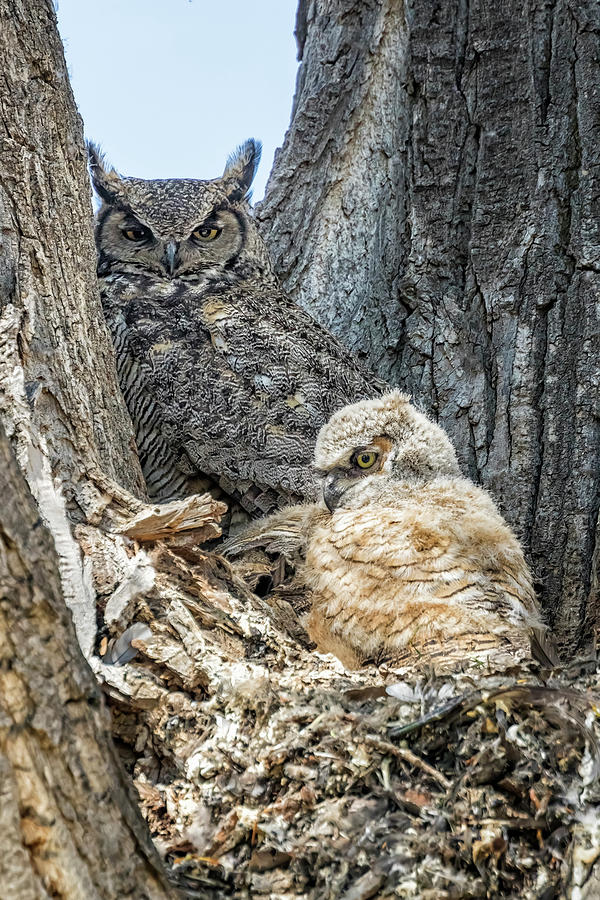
198	513
265	769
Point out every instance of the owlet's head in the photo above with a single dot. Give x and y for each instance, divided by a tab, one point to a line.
365	445
179	227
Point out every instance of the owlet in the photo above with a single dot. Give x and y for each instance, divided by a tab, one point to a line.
412	561
405	560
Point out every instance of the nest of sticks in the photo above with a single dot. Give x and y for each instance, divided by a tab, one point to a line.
265	769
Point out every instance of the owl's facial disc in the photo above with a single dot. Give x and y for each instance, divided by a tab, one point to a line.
361	463
171	250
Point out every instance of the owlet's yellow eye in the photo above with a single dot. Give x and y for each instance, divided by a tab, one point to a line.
206	233
365	459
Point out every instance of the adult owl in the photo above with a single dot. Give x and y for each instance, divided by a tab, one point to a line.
405	560
227	380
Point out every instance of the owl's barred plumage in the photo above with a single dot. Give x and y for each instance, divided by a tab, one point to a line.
227	380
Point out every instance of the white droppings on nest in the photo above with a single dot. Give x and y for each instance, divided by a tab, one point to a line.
542	881
138	578
226	730
196	819
201	763
587	767
586	850
246	686
246	624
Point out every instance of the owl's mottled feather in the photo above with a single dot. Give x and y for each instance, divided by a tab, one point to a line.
225	378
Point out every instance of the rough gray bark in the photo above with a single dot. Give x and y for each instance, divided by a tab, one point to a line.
68	825
436	204
59	398
49	290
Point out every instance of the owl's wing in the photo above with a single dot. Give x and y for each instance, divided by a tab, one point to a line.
543	648
284	532
472	560
240	381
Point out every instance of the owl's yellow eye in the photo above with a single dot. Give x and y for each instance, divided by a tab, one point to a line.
365	459
135	234
206	233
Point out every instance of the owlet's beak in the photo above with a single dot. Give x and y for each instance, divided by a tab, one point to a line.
334	486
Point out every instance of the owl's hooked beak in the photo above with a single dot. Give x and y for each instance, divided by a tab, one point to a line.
334	486
171	256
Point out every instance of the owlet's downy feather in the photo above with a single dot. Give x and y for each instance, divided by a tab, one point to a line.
407	560
226	380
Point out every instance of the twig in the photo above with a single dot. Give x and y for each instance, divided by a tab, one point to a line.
409	757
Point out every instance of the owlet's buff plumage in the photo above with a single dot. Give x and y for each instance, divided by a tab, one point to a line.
413	561
227	380
406	560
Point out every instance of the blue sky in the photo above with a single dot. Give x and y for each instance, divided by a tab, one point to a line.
169	88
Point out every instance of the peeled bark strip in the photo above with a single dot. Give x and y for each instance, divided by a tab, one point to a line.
68	825
435	204
196	513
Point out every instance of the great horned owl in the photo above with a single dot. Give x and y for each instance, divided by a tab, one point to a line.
405	560
224	376
413	561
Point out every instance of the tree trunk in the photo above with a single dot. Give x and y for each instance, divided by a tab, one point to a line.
68	825
436	205
59	396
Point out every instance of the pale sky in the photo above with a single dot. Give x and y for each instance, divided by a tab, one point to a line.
169	88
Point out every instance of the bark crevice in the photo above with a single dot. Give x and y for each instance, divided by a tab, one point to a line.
470	276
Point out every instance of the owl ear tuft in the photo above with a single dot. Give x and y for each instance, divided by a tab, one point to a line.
106	181
240	170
